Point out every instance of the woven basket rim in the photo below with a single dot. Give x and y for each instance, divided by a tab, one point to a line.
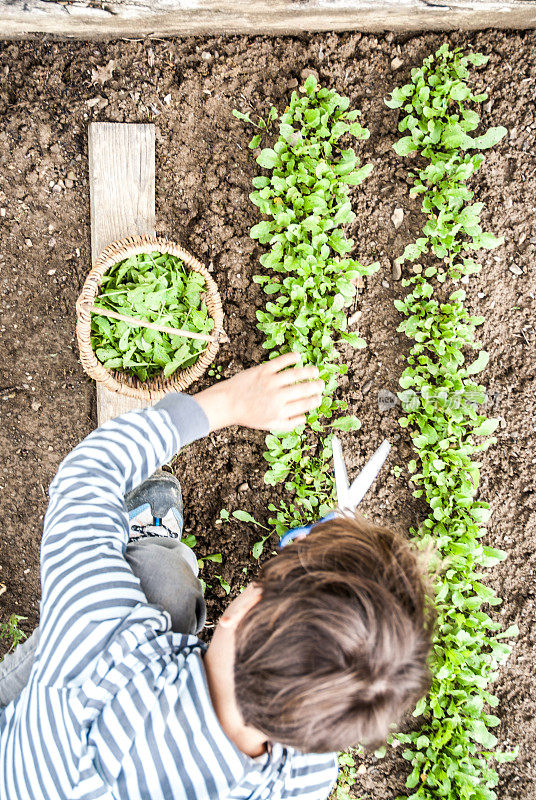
121	382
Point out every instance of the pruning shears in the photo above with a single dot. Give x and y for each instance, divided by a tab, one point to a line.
348	496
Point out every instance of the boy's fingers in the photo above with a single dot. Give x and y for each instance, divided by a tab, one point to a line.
289	425
291	376
275	364
303	390
300	407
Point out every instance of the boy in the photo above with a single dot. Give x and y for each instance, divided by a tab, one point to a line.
322	652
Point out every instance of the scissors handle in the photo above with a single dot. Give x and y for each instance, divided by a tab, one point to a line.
303	530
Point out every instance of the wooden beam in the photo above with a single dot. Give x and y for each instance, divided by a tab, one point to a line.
122	203
85	19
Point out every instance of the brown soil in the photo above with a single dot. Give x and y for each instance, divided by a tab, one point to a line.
188	87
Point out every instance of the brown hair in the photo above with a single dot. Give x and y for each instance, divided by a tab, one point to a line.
336	648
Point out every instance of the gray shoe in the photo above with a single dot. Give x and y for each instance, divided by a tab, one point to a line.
155	507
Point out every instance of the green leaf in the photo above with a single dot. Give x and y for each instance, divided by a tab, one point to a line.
487	427
348	423
478	364
355	340
262	231
478	59
405	146
256	550
310	85
490	138
488	241
268	158
215	557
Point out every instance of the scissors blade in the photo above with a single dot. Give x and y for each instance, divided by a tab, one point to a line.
341	475
368	475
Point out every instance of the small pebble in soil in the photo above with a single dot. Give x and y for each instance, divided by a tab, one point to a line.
243	487
385	284
396	63
396	271
397	217
304	74
35	405
367	387
515	270
480	295
28	243
206	56
353	319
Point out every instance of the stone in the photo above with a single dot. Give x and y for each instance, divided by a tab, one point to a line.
35	405
304	74
397	217
396	271
515	270
396	63
243	487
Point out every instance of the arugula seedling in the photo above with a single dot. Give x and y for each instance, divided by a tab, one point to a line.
451	751
310	278
223	583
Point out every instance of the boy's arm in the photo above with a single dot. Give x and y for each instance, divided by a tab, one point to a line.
88	587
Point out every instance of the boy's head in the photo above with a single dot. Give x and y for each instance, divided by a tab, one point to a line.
336	647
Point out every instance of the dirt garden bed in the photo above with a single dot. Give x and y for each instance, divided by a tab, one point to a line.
50	91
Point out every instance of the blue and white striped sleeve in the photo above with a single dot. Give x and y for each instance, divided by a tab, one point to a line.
87	585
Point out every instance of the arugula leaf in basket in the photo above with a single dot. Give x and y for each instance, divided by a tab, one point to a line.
155	287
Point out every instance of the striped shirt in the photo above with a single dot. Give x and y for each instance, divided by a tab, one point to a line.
117	706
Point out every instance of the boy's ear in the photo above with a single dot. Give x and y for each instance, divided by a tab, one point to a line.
240	606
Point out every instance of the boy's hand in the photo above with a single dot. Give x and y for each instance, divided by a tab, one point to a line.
269	397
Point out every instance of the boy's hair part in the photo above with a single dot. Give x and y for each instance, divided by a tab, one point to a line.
336	648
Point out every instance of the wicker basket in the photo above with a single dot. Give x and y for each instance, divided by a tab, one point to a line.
122	382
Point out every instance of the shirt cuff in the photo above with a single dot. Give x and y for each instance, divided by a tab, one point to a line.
186	415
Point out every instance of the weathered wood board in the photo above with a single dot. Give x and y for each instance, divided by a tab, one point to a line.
122	203
87	19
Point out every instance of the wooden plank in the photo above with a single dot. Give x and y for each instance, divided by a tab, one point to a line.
122	203
84	19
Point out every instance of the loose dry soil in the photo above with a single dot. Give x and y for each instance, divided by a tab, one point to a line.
188	87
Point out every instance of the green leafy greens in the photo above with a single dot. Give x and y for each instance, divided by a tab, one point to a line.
154	287
450	754
311	280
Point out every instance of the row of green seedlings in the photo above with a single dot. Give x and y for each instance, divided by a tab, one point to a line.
452	753
311	280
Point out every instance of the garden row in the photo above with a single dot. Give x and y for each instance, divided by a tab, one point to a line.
312	282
